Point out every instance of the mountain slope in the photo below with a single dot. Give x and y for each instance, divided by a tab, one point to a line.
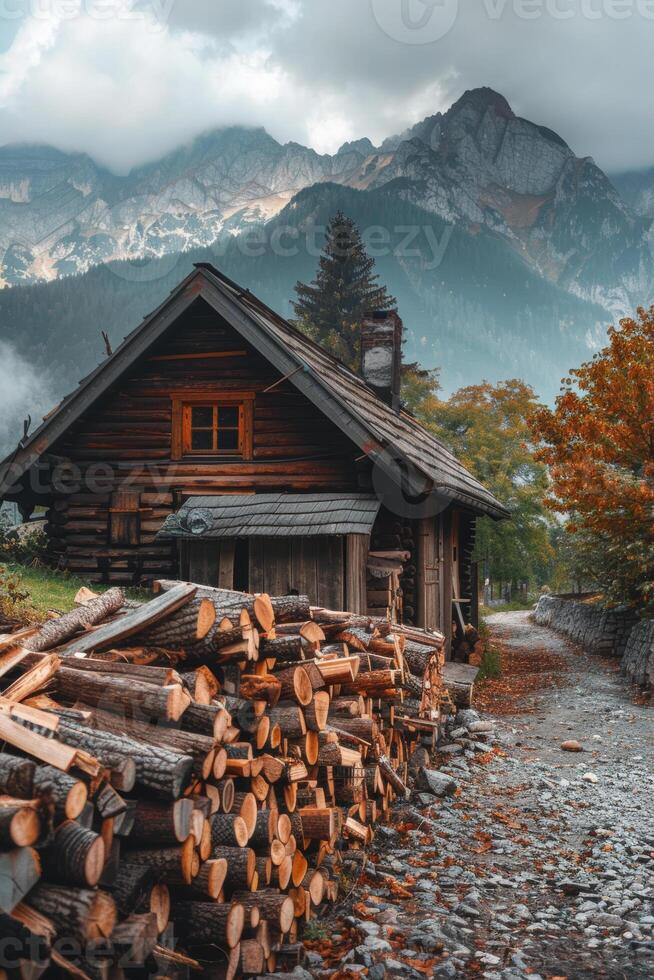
477	166
482	312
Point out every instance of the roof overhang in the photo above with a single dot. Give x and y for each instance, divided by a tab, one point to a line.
272	515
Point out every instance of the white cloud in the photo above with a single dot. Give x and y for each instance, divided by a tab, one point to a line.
131	87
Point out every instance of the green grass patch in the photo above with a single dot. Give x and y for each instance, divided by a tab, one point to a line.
49	589
491	665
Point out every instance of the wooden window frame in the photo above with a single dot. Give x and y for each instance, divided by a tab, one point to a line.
182	401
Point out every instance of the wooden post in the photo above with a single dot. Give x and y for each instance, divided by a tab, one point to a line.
356	555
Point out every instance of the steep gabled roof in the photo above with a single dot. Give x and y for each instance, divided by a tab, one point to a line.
404	452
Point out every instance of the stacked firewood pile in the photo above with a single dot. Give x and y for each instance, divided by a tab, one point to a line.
179	778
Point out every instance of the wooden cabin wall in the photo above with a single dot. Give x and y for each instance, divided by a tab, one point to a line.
126	440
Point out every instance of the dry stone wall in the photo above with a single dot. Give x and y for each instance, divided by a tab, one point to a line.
616	632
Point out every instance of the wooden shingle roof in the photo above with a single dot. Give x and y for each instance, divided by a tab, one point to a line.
272	515
402	451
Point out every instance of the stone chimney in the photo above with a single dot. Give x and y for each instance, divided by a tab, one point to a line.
381	354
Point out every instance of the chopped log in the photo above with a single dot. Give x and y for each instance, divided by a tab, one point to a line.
135	938
34	679
165	772
291	608
161	823
174	865
201	684
241	866
123	696
212	923
132	886
185	629
282	648
246	806
206	719
228	830
265	827
267	688
251	958
317	712
275	907
75	857
318	823
459	679
16	776
68	794
20	823
229	604
57	631
291	721
295	685
77	913
113	633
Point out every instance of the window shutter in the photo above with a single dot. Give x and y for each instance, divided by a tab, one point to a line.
125	518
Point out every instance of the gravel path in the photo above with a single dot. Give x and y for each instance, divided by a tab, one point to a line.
542	863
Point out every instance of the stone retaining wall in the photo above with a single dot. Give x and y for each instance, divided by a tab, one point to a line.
614	632
638	660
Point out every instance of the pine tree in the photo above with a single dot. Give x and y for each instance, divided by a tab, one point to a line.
330	310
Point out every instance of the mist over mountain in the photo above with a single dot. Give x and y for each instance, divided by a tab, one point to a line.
508	254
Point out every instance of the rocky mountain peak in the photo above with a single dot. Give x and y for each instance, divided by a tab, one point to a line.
482	100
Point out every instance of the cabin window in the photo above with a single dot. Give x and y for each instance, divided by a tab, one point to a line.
206	426
213	429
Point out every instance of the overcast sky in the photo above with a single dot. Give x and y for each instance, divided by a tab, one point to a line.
128	80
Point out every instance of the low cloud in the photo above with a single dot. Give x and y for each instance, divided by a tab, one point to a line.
23	392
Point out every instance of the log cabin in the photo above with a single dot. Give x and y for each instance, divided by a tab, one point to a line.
219	444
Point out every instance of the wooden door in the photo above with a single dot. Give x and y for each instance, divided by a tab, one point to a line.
209	562
428	574
312	566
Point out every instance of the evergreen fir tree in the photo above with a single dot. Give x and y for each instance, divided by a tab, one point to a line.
330	310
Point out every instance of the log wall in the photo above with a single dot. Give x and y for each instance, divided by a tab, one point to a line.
125	444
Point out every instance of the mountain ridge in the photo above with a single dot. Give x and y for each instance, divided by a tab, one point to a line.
478	165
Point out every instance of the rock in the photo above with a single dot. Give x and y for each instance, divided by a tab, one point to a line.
571	746
419	759
451	749
434	782
466	718
480	727
590	777
488	959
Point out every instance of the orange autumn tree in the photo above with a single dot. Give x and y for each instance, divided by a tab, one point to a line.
598	442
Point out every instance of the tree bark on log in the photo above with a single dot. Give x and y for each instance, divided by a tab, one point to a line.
241	866
78	913
122	696
16	776
20	823
115	632
161	823
165	772
291	608
228	603
209	923
68	794
75	857
57	631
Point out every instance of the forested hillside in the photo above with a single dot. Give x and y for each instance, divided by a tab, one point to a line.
477	311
